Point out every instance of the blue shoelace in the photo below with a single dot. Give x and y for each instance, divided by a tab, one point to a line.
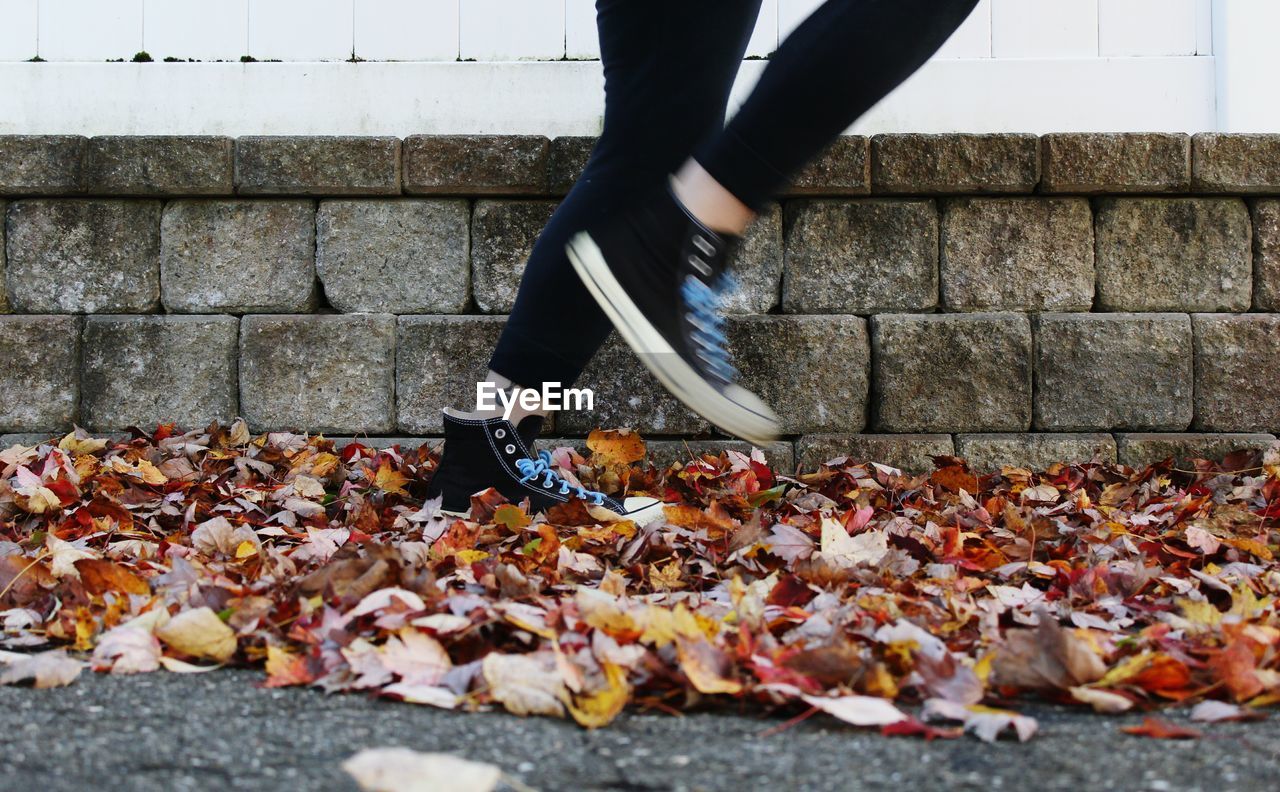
531	469
704	304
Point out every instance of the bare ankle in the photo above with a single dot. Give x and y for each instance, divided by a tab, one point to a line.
708	201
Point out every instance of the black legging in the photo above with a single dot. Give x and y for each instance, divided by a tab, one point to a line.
668	69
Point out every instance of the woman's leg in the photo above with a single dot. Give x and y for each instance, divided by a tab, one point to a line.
843	59
659	270
668	68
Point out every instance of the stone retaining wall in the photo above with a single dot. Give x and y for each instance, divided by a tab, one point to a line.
1011	298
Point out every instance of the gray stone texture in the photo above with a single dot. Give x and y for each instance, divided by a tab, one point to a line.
160	165
395	256
41	164
1141	449
4	292
756	265
1173	254
1113	371
862	256
1236	163
145	370
318	165
627	395
83	256
951	372
1096	162
238	256
40	379
954	163
1017	254
991	452
567	157
502	236
811	370
328	373
911	453
476	164
1266	255
843	168
439	360
1237	372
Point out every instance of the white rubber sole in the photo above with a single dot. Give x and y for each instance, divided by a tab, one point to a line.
658	356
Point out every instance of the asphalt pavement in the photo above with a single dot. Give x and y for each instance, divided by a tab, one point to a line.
218	731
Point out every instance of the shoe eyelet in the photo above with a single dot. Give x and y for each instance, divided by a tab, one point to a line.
500	433
511	449
546	485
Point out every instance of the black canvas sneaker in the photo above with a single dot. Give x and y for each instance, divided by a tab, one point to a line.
660	275
491	452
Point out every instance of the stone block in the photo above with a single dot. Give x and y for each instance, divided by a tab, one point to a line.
317	165
1173	254
476	164
812	370
1237	372
329	373
865	257
911	453
439	360
394	256
246	256
502	236
4	292
83	256
954	163
40	379
951	372
1266	255
756	265
1236	163
1017	254
1097	162
627	395
160	165
990	452
1113	371
1139	450
568	156
33	165
145	370
843	168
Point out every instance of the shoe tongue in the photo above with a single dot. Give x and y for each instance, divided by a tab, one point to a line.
528	429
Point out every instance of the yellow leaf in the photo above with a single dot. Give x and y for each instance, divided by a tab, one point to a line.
390	480
150	473
324	464
246	549
616	446
666	578
470	556
511	517
1200	612
200	633
81	445
1125	670
706	666
601	707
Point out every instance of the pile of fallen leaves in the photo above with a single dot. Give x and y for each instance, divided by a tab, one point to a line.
854	589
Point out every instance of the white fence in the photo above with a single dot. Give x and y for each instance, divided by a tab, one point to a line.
406	66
